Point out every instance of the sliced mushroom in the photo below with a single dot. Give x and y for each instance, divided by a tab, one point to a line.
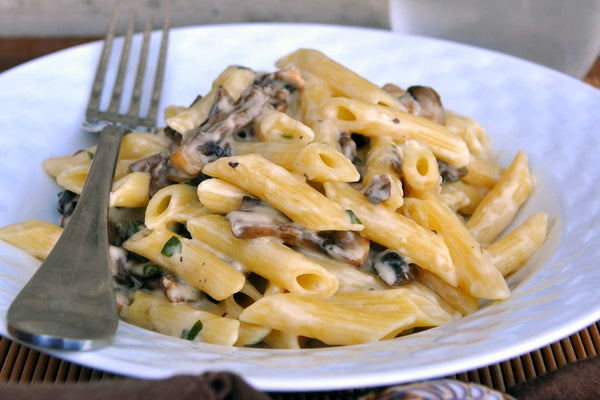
430	102
423	101
158	166
393	269
67	201
207	142
258	219
348	145
450	173
379	189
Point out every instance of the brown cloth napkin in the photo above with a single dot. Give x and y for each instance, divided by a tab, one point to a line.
209	386
577	381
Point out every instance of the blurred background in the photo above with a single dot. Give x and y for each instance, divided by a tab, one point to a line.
562	34
89	17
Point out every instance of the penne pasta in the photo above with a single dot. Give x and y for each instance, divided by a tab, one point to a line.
131	191
396	232
155	312
36	237
474	267
381	181
513	250
341	79
375	120
193	262
284	191
500	205
172	205
315	161
474	135
275	126
264	257
330	323
420	170
234	79
220	197
482	173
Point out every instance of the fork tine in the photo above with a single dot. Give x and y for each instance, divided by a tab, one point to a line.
97	86
134	104
159	75
115	100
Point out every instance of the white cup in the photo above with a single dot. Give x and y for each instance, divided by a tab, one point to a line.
561	34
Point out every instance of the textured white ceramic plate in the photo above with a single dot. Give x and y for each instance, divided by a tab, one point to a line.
552	117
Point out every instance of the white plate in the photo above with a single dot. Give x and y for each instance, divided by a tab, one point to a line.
552	117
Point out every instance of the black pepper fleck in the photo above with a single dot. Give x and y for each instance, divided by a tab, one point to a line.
233	164
396	121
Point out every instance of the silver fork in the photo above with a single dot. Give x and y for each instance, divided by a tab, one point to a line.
69	303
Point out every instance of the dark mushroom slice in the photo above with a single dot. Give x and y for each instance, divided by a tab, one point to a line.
394	269
290	78
449	173
159	167
379	189
348	146
67	201
423	101
207	143
258	219
430	102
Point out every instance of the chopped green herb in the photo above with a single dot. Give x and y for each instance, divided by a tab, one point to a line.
90	155
353	218
191	335
287	136
172	247
152	271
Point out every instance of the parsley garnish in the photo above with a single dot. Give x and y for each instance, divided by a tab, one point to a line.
191	335
90	155
353	218
172	247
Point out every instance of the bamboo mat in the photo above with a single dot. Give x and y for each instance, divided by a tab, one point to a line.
22	365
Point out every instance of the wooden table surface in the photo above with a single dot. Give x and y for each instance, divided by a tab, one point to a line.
20	364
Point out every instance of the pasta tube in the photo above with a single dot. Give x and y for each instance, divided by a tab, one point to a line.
220	197
155	312
35	236
282	190
512	251
276	262
173	204
396	232
420	170
340	78
194	263
375	120
381	181
316	161
500	205
330	323
475	269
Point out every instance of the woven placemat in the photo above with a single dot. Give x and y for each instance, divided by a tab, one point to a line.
21	364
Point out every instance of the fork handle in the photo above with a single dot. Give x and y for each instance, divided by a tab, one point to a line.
69	303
